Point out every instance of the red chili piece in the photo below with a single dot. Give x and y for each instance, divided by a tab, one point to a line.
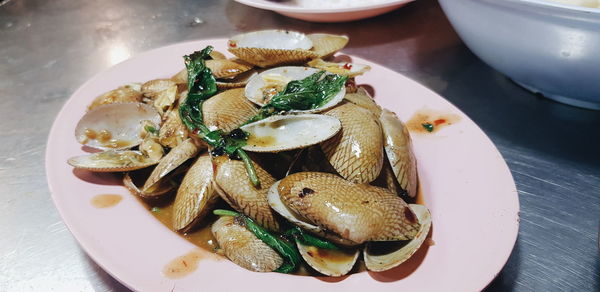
439	122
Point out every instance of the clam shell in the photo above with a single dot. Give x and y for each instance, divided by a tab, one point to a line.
242	247
220	68
256	86
278	206
272	47
356	152
329	262
216	55
355	212
382	259
271	39
153	87
363	99
180	77
176	157
165	99
398	147
224	68
235	188
254	90
348	69
115	126
123	94
325	45
159	189
239	80
196	195
228	110
112	161
173	131
282	133
272	57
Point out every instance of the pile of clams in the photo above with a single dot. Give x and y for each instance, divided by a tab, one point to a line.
343	171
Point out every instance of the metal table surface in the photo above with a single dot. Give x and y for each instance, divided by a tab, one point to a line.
49	48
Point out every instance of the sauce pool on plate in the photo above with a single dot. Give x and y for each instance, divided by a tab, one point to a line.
106	200
430	121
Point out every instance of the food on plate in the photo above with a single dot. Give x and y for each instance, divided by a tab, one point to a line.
292	169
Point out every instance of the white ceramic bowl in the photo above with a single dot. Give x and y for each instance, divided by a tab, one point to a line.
325	14
546	47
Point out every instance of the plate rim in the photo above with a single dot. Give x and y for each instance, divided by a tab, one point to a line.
95	78
305	10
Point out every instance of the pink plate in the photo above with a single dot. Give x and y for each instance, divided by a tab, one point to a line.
464	181
365	10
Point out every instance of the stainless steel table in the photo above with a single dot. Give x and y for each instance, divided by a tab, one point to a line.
49	48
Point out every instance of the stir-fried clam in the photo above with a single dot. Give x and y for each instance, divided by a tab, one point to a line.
324	211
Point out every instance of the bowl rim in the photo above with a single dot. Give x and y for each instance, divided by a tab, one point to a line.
557	5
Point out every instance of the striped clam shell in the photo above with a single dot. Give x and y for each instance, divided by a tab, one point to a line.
357	212
356	152
242	247
398	147
235	188
228	110
196	195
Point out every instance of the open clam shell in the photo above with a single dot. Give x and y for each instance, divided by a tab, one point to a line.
242	247
325	45
272	47
123	94
398	147
278	206
265	85
163	187
281	133
330	262
239	80
355	212
178	155
348	69
115	126
196	194
385	255
356	152
112	161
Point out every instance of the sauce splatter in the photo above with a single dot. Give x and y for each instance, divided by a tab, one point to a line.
430	121
106	200
186	264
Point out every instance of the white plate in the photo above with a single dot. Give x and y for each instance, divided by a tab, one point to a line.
464	181
328	14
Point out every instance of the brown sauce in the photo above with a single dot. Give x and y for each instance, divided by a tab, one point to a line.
185	264
330	255
106	200
203	238
104	137
263	141
430	121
